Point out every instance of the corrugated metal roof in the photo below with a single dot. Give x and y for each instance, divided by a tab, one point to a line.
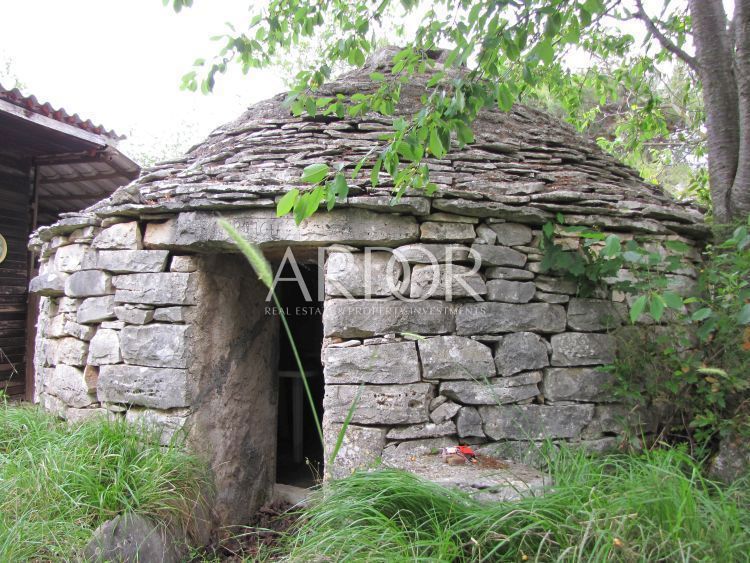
31	103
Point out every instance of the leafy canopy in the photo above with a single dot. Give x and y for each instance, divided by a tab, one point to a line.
507	50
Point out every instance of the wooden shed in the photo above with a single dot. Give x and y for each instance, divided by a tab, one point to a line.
51	163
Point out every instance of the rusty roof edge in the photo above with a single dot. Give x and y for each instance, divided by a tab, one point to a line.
31	103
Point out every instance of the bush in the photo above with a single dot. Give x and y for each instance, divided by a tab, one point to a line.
652	507
58	482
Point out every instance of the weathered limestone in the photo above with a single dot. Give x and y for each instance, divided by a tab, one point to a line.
594	314
374	274
488	318
134	315
96	309
582	349
161	388
577	384
510	291
68	385
520	351
445	411
167	423
502	273
362	446
88	283
354	319
379	404
425	430
157	345
433	231
132	261
379	364
183	263
155	289
432	253
535	422
72	352
512	234
126	236
199	230
494	391
469	423
447	281
491	255
455	357
104	348
50	284
74	257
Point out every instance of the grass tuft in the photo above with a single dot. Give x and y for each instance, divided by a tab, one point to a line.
650	507
58	482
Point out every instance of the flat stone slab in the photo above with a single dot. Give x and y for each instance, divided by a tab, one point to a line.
490	480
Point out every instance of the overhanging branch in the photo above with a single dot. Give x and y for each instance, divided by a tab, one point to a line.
663	39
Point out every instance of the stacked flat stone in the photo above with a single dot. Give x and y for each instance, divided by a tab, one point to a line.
121	283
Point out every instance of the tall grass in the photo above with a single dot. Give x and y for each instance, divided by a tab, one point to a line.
59	482
653	507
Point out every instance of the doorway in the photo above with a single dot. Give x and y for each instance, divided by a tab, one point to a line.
299	453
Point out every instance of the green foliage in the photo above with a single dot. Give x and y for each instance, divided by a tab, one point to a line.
651	507
700	367
58	482
507	51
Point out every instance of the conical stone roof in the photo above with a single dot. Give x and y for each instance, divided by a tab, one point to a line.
525	165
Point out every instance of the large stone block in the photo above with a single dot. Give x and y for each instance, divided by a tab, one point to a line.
96	309
594	314
617	419
134	315
361	447
510	291
362	318
512	234
82	332
68	384
160	388
469	423
169	288
88	283
434	231
199	230
582	349
445	411
455	357
489	318
51	284
520	351
74	257
165	423
535	422
72	352
171	314
379	404
432	253
445	281
502	273
577	384
491	255
105	348
497	391
380	364
420	431
125	236
132	261
156	345
374	274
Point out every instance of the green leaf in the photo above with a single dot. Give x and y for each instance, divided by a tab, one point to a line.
743	317
636	309
612	246
545	51
315	173
701	314
672	300
505	98
677	246
287	202
656	307
436	145
340	187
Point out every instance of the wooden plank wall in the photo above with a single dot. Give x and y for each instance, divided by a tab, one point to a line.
15	189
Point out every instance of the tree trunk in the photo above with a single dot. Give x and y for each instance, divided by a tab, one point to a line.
739	197
713	49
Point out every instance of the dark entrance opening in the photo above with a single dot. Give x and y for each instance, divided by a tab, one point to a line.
299	453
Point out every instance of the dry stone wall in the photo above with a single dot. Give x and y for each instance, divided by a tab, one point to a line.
478	346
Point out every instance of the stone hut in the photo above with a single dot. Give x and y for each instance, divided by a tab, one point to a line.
153	316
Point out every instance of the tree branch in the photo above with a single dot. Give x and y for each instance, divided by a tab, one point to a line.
663	39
